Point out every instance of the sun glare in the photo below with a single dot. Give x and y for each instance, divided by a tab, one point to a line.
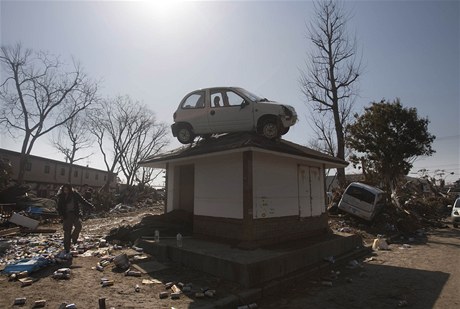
165	8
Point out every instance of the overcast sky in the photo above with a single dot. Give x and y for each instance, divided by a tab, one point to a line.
158	51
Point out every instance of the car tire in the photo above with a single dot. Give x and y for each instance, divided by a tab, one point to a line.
185	134
270	128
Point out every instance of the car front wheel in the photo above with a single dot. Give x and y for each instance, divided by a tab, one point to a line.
185	135
270	128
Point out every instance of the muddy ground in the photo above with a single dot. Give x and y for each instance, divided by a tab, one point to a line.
421	272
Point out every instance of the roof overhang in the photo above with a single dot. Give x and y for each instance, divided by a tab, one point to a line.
240	142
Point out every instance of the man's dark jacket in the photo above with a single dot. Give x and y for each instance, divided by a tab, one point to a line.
77	198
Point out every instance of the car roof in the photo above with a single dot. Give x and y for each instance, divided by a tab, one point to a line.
215	88
211	89
365	186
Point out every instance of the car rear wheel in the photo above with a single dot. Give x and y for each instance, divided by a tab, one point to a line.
270	129
185	135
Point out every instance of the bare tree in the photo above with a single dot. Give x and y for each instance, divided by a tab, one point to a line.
149	139
73	137
39	95
324	139
146	175
330	79
126	132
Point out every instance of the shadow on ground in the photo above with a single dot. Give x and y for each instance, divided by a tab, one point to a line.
375	286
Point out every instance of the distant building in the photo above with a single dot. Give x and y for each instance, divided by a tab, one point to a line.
45	176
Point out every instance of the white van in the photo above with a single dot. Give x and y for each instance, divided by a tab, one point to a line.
362	200
455	215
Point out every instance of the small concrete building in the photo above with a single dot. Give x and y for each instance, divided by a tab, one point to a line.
248	190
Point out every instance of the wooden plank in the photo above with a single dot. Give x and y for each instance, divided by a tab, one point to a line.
11	231
149	267
39	231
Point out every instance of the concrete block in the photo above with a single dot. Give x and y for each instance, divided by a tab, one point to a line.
250	295
271	288
24	221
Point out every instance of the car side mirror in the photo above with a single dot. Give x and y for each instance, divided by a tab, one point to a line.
244	104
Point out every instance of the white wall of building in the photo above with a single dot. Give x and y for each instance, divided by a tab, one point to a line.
219	186
282	187
275	186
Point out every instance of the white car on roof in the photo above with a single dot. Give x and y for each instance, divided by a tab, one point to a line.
230	109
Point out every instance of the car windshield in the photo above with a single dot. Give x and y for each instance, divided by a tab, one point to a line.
457	203
250	96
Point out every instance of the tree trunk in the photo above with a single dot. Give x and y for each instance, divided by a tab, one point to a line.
340	140
70	173
23	159
106	186
22	168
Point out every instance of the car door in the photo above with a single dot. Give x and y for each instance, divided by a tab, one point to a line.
229	112
194	110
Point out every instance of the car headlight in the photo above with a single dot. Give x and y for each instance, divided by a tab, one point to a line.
287	112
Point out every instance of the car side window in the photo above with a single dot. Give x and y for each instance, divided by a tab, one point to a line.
195	100
216	100
232	99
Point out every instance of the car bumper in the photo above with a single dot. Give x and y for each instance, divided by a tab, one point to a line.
288	121
456	219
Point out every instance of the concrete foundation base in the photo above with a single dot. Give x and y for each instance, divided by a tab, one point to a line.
251	268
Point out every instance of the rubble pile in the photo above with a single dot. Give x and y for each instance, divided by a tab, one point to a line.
30	253
121	208
34	252
428	209
167	224
147	202
19	199
416	213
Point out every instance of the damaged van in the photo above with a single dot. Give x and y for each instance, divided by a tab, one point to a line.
362	200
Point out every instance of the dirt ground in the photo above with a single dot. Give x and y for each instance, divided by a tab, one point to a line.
424	273
418	273
84	286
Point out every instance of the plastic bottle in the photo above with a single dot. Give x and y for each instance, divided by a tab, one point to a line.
179	240
157	236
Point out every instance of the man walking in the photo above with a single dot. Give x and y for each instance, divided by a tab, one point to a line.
69	202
